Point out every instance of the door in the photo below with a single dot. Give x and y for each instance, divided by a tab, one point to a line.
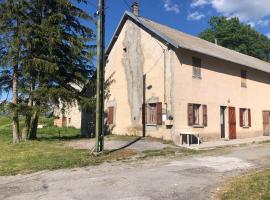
232	123
222	121
266	123
64	122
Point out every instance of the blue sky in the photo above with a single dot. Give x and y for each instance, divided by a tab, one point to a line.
189	16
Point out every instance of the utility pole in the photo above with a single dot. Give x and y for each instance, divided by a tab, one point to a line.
144	107
100	77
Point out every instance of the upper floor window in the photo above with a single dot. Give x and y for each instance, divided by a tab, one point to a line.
243	78
196	63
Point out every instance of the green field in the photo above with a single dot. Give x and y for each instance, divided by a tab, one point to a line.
249	187
47	152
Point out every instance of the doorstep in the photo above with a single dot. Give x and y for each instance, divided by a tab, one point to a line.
224	143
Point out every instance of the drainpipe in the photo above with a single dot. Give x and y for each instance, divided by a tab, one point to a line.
164	78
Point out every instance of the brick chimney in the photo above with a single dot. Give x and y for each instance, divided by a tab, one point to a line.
135	8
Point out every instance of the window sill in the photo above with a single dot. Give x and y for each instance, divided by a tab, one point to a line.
194	77
245	127
151	125
198	126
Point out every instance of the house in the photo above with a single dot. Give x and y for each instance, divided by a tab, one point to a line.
167	82
75	116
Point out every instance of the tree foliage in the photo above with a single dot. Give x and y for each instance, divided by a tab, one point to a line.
55	54
233	34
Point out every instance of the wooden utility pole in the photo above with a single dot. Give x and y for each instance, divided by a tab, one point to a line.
100	77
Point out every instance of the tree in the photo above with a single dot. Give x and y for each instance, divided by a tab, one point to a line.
233	34
58	62
52	59
12	23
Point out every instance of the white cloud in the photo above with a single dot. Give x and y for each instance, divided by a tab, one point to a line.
195	16
268	35
263	23
196	3
170	6
248	11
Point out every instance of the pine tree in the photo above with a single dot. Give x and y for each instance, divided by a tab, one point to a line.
47	53
59	56
12	22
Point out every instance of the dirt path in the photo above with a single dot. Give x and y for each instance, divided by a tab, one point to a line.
190	178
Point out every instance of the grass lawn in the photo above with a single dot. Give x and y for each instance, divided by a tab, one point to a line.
249	187
48	152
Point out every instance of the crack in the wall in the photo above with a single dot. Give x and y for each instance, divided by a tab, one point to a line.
133	60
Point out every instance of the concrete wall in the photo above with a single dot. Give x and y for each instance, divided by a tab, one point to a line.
169	73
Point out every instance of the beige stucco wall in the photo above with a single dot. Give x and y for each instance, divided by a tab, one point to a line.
220	86
71	112
129	82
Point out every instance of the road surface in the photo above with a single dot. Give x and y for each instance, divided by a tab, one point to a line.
188	178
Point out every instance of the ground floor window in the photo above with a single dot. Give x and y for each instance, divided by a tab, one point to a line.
197	115
153	113
245	117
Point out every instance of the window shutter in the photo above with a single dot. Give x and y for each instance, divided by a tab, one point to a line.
241	116
205	115
249	118
159	113
110	115
265	117
190	114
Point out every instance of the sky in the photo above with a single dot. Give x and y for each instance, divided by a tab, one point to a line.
190	16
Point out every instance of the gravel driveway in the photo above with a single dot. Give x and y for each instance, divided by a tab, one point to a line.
138	144
160	178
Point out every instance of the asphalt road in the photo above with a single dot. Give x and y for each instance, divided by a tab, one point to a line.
194	177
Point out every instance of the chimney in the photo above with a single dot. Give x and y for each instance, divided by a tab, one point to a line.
135	8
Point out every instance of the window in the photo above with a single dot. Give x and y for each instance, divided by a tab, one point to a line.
69	120
154	113
245	117
243	78
197	115
196	63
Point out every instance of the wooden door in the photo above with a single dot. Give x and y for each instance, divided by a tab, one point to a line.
64	122
266	124
232	123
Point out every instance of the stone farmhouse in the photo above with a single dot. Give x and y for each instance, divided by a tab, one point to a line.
166	82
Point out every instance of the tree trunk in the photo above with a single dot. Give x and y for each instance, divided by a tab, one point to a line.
27	124
34	124
15	119
26	129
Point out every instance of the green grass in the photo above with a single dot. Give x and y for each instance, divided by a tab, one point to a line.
48	152
168	152
249	187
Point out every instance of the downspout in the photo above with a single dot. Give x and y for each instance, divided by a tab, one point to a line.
164	79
